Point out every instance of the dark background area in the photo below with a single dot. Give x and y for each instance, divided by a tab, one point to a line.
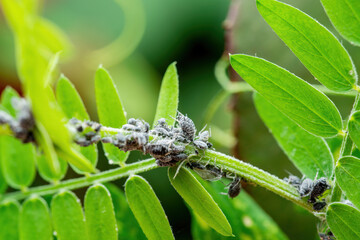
189	32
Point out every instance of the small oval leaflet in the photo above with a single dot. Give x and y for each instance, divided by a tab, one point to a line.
68	217
316	47
35	220
345	16
168	97
201	202
347	174
108	99
291	95
99	213
309	153
73	107
9	220
343	221
147	209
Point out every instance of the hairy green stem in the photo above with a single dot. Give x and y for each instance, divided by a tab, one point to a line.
256	175
101	177
227	163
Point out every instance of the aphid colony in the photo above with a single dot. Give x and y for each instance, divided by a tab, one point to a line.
167	145
312	189
23	124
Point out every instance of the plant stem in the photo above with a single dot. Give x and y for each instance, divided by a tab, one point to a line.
346	149
256	175
227	163
105	176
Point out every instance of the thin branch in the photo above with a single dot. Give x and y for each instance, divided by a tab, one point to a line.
229	25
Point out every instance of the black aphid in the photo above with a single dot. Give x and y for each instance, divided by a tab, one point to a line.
327	236
235	187
319	187
319	206
206	172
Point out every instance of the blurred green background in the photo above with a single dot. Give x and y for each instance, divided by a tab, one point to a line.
189	32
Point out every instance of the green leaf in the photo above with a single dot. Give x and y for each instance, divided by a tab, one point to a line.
49	166
318	49
347	173
72	105
294	97
99	212
110	112
128	227
17	162
45	171
9	220
247	218
354	128
6	97
310	154
68	217
200	201
168	97
3	184
343	221
35	220
147	209
345	15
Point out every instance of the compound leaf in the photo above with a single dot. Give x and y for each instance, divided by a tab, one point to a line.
110	111
343	221
9	220
147	209
318	49
35	220
345	16
169	96
68	217
99	212
200	201
347	173
294	97
310	154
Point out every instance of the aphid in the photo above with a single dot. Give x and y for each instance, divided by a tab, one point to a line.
5	118
293	180
179	157
200	144
319	187
235	187
328	236
319	205
106	140
132	121
306	187
128	127
209	144
187	126
146	127
209	173
96	127
204	135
